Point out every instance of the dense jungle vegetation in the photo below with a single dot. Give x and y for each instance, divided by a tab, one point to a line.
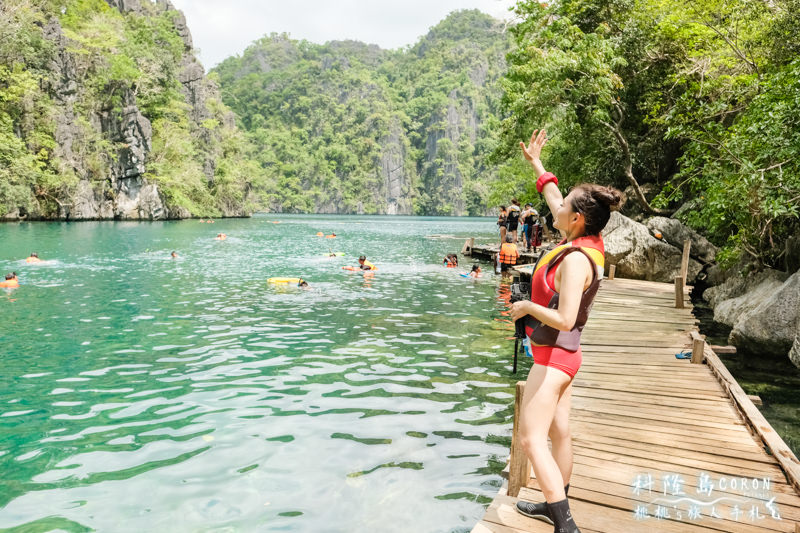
697	101
324	117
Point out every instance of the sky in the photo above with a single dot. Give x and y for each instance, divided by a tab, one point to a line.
222	28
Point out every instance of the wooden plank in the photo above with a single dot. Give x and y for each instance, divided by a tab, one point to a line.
599	517
737	450
782	453
722	349
598	495
698	344
519	468
687	245
679	292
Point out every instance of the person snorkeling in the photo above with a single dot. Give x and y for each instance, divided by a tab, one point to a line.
11	281
476	271
34	258
363	264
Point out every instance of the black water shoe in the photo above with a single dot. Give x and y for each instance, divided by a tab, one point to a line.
535	510
538	511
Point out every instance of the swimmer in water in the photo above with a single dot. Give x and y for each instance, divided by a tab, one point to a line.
34	258
304	285
174	255
476	271
363	264
11	281
221	237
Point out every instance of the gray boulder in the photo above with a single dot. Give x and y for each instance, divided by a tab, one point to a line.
739	295
638	255
772	325
675	232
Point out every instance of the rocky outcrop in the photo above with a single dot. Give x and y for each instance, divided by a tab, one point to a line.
763	308
446	132
128	129
675	233
397	182
638	255
739	295
773	324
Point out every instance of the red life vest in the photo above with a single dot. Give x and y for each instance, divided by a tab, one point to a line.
543	291
508	253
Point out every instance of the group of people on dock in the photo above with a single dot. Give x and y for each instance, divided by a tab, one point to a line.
512	217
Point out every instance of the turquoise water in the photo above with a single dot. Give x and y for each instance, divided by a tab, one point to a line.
142	393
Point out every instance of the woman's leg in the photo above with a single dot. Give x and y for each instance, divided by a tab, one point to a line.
560	435
543	389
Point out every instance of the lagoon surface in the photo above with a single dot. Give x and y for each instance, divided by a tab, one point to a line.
142	393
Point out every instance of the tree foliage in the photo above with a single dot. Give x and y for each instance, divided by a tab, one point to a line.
698	99
334	123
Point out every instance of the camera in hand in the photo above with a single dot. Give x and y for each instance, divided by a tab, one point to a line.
519	292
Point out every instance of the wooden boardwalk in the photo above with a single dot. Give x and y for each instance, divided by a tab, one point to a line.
660	444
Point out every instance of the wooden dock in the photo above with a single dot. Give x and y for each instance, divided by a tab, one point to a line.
486	252
660	444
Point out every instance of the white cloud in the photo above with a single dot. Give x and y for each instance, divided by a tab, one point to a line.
222	28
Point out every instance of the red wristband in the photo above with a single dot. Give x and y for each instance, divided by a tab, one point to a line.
544	179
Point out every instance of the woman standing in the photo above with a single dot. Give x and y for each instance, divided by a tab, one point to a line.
512	219
563	286
501	222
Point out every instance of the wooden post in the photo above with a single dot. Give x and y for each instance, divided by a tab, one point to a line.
679	292
698	345
519	468
687	245
468	245
611	271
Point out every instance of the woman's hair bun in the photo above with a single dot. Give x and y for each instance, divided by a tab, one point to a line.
609	196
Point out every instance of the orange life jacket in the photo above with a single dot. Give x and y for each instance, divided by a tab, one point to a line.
9	283
508	253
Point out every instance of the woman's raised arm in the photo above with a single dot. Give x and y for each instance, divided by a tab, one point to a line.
532	154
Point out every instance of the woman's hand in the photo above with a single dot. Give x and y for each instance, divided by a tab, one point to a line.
533	151
520	309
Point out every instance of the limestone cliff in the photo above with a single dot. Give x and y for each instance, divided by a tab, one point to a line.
116	105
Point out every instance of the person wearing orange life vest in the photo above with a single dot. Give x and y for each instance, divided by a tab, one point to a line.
11	281
563	285
363	264
34	258
508	254
450	261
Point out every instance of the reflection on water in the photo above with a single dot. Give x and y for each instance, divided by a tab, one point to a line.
187	394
